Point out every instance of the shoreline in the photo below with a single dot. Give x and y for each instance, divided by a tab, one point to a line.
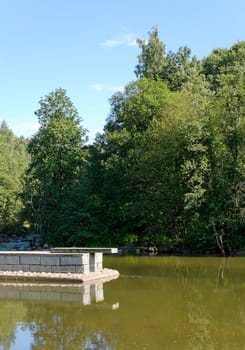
161	251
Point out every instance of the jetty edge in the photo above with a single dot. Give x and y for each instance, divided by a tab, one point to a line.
68	265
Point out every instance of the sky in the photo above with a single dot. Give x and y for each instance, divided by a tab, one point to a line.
89	49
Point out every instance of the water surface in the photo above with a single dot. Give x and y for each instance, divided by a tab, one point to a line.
157	303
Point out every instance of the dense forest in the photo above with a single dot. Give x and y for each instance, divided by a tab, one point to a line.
168	169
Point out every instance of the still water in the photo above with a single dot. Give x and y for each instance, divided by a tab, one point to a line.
157	303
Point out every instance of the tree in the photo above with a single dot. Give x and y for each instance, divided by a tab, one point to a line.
56	162
172	162
222	62
179	68
131	115
135	108
170	169
175	69
13	161
151	61
227	154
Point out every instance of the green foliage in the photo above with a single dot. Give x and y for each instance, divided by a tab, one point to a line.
132	114
57	159
179	68
222	63
137	106
130	239
168	170
13	162
151	61
175	69
173	162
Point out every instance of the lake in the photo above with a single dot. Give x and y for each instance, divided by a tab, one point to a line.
157	303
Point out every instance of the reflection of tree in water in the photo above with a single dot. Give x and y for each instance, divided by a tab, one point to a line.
197	315
199	334
96	341
63	327
10	315
213	299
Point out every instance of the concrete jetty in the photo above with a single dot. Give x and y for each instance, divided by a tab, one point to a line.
73	264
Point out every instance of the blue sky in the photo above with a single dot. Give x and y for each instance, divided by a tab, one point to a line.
89	48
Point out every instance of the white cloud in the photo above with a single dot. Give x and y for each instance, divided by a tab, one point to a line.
128	39
111	43
106	87
97	87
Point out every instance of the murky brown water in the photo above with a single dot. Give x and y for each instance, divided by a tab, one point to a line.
157	303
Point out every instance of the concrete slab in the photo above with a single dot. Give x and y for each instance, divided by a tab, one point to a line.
84	250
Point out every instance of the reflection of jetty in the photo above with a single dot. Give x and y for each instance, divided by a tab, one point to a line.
60	264
84	294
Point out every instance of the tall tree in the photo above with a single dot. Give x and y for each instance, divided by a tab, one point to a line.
227	146
132	113
151	61
56	162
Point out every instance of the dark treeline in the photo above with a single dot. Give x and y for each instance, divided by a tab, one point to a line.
168	170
